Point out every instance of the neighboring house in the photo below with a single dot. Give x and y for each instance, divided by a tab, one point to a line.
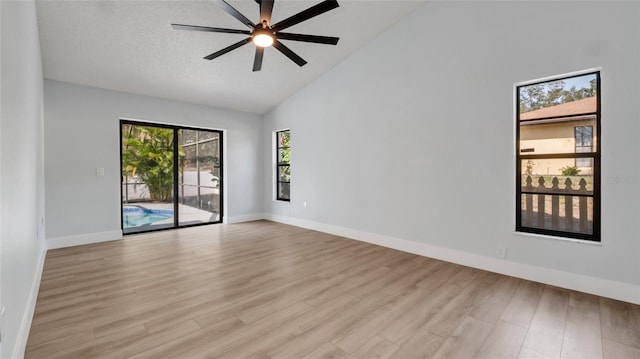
566	128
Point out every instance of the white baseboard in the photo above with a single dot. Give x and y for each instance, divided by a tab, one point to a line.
77	240
30	308
246	218
598	286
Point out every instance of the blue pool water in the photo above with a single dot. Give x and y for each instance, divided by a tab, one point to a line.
137	216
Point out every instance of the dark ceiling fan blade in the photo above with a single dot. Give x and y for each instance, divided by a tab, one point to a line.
235	13
209	29
304	15
288	53
308	38
228	48
266	6
257	60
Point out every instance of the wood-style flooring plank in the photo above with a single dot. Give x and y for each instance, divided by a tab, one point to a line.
363	330
523	304
546	331
179	345
278	329
327	351
504	341
526	353
614	350
423	344
620	322
466	340
582	335
492	308
304	342
376	347
265	290
153	340
406	325
454	312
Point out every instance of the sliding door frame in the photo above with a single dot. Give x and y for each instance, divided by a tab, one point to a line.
176	173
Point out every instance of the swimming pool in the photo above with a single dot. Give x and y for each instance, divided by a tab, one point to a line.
139	216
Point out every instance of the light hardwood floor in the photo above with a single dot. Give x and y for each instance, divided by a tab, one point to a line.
267	290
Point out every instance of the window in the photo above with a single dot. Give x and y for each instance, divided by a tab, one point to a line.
283	167
584	143
558	157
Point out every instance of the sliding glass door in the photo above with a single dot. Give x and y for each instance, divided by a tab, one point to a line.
199	178
171	176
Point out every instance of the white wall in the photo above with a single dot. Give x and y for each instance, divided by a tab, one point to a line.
82	134
21	164
411	139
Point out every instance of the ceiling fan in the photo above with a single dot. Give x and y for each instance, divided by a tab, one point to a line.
264	34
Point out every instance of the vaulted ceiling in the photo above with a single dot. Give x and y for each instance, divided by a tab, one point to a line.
129	46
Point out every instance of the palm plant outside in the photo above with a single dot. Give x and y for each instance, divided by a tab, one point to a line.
147	154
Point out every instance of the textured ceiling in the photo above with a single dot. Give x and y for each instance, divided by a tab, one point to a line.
130	46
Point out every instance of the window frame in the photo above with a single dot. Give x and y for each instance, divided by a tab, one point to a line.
595	237
279	165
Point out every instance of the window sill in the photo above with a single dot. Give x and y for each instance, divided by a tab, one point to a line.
564	239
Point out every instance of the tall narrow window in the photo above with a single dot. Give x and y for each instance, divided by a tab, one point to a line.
283	166
558	157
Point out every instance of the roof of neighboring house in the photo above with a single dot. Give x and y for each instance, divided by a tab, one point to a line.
582	106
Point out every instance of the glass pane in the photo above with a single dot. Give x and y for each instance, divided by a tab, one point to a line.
284	155
584	138
284	174
557	175
189	162
188	136
557	212
558	137
584	163
284	138
205	135
208	178
147	188
566	97
283	190
216	178
199	200
559	116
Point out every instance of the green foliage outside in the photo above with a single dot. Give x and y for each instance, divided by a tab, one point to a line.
570	171
535	97
284	154
148	154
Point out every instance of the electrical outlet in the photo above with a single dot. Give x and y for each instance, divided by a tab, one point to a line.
501	252
99	171
304	204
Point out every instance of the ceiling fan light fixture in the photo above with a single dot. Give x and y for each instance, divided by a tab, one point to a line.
263	39
264	35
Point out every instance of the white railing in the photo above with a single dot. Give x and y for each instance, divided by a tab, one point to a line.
555	208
